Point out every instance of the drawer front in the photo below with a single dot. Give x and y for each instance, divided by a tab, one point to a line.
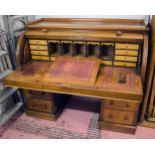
120	105
39	52
126	64
40	105
103	62
34	57
41	95
121	117
38	42
126	52
127	46
37	47
126	58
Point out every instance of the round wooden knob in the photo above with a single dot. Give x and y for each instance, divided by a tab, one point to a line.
110	116
45	30
125	118
111	103
118	33
127	105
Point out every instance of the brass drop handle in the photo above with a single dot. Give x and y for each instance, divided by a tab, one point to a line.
45	30
119	33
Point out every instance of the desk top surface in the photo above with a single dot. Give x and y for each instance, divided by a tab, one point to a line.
89	23
75	77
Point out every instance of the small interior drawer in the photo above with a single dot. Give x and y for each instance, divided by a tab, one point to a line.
127	46
125	64
126	58
37	47
117	116
126	52
40	105
34	57
38	42
120	105
39	52
105	62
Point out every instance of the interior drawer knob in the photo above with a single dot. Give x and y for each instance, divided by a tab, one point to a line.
125	118
127	105
119	33
44	30
110	116
111	103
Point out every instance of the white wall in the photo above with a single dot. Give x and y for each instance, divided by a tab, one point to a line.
93	16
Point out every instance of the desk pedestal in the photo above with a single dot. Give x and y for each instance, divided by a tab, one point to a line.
119	115
45	105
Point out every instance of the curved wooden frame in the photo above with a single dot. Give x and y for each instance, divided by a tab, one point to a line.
144	58
150	74
20	50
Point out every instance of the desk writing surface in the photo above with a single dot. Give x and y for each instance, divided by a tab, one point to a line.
73	71
110	79
35	76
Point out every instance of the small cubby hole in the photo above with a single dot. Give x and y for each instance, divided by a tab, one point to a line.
107	52
80	49
54	49
93	50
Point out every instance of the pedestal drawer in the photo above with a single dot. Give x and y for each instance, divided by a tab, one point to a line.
40	105
120	105
118	116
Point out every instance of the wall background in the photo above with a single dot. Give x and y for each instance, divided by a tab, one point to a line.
94	16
